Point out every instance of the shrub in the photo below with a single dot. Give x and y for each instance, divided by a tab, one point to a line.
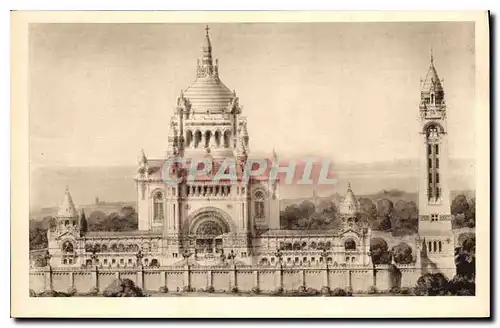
338	292
210	289
348	291
312	291
163	289
52	293
302	289
71	291
278	291
405	291
32	293
372	290
186	289
123	288
94	291
431	284
461	286
234	290
395	290
255	290
325	290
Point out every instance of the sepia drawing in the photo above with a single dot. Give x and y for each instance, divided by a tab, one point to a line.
243	160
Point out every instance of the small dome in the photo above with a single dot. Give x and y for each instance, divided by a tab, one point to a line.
350	205
67	208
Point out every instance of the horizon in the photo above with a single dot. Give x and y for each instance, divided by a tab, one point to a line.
117	183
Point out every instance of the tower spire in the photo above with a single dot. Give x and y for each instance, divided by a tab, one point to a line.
432	57
206	65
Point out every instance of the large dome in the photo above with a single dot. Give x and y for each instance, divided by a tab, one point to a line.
208	93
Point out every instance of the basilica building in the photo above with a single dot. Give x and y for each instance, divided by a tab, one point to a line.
206	221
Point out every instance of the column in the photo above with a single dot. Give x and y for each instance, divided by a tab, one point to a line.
163	278
187	278
349	278
279	276
209	278
48	278
140	277
302	277
256	278
95	278
326	276
234	276
72	279
117	274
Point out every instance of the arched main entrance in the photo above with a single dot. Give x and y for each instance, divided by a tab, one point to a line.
206	229
209	237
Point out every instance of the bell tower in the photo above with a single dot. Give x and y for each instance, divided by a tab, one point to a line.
435	227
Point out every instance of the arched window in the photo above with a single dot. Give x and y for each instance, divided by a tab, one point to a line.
440	246
158	206
350	245
259	204
154	263
435	246
197	139
264	261
227	139
67	247
217	137
104	248
189	138
429	248
97	248
432	98
208	135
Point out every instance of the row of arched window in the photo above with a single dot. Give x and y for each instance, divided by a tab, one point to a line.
121	262
435	246
210	139
349	245
117	248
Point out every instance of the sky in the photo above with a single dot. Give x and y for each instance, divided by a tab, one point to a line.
348	91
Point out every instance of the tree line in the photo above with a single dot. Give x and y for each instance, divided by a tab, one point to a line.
399	217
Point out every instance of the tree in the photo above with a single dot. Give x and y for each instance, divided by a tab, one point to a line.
384	208
404	218
431	284
289	216
326	206
459	205
384	211
368	211
379	251
307	208
403	253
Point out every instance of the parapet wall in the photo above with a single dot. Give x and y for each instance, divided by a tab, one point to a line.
224	278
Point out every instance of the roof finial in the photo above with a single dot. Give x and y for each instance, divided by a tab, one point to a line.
349	186
432	57
206	29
